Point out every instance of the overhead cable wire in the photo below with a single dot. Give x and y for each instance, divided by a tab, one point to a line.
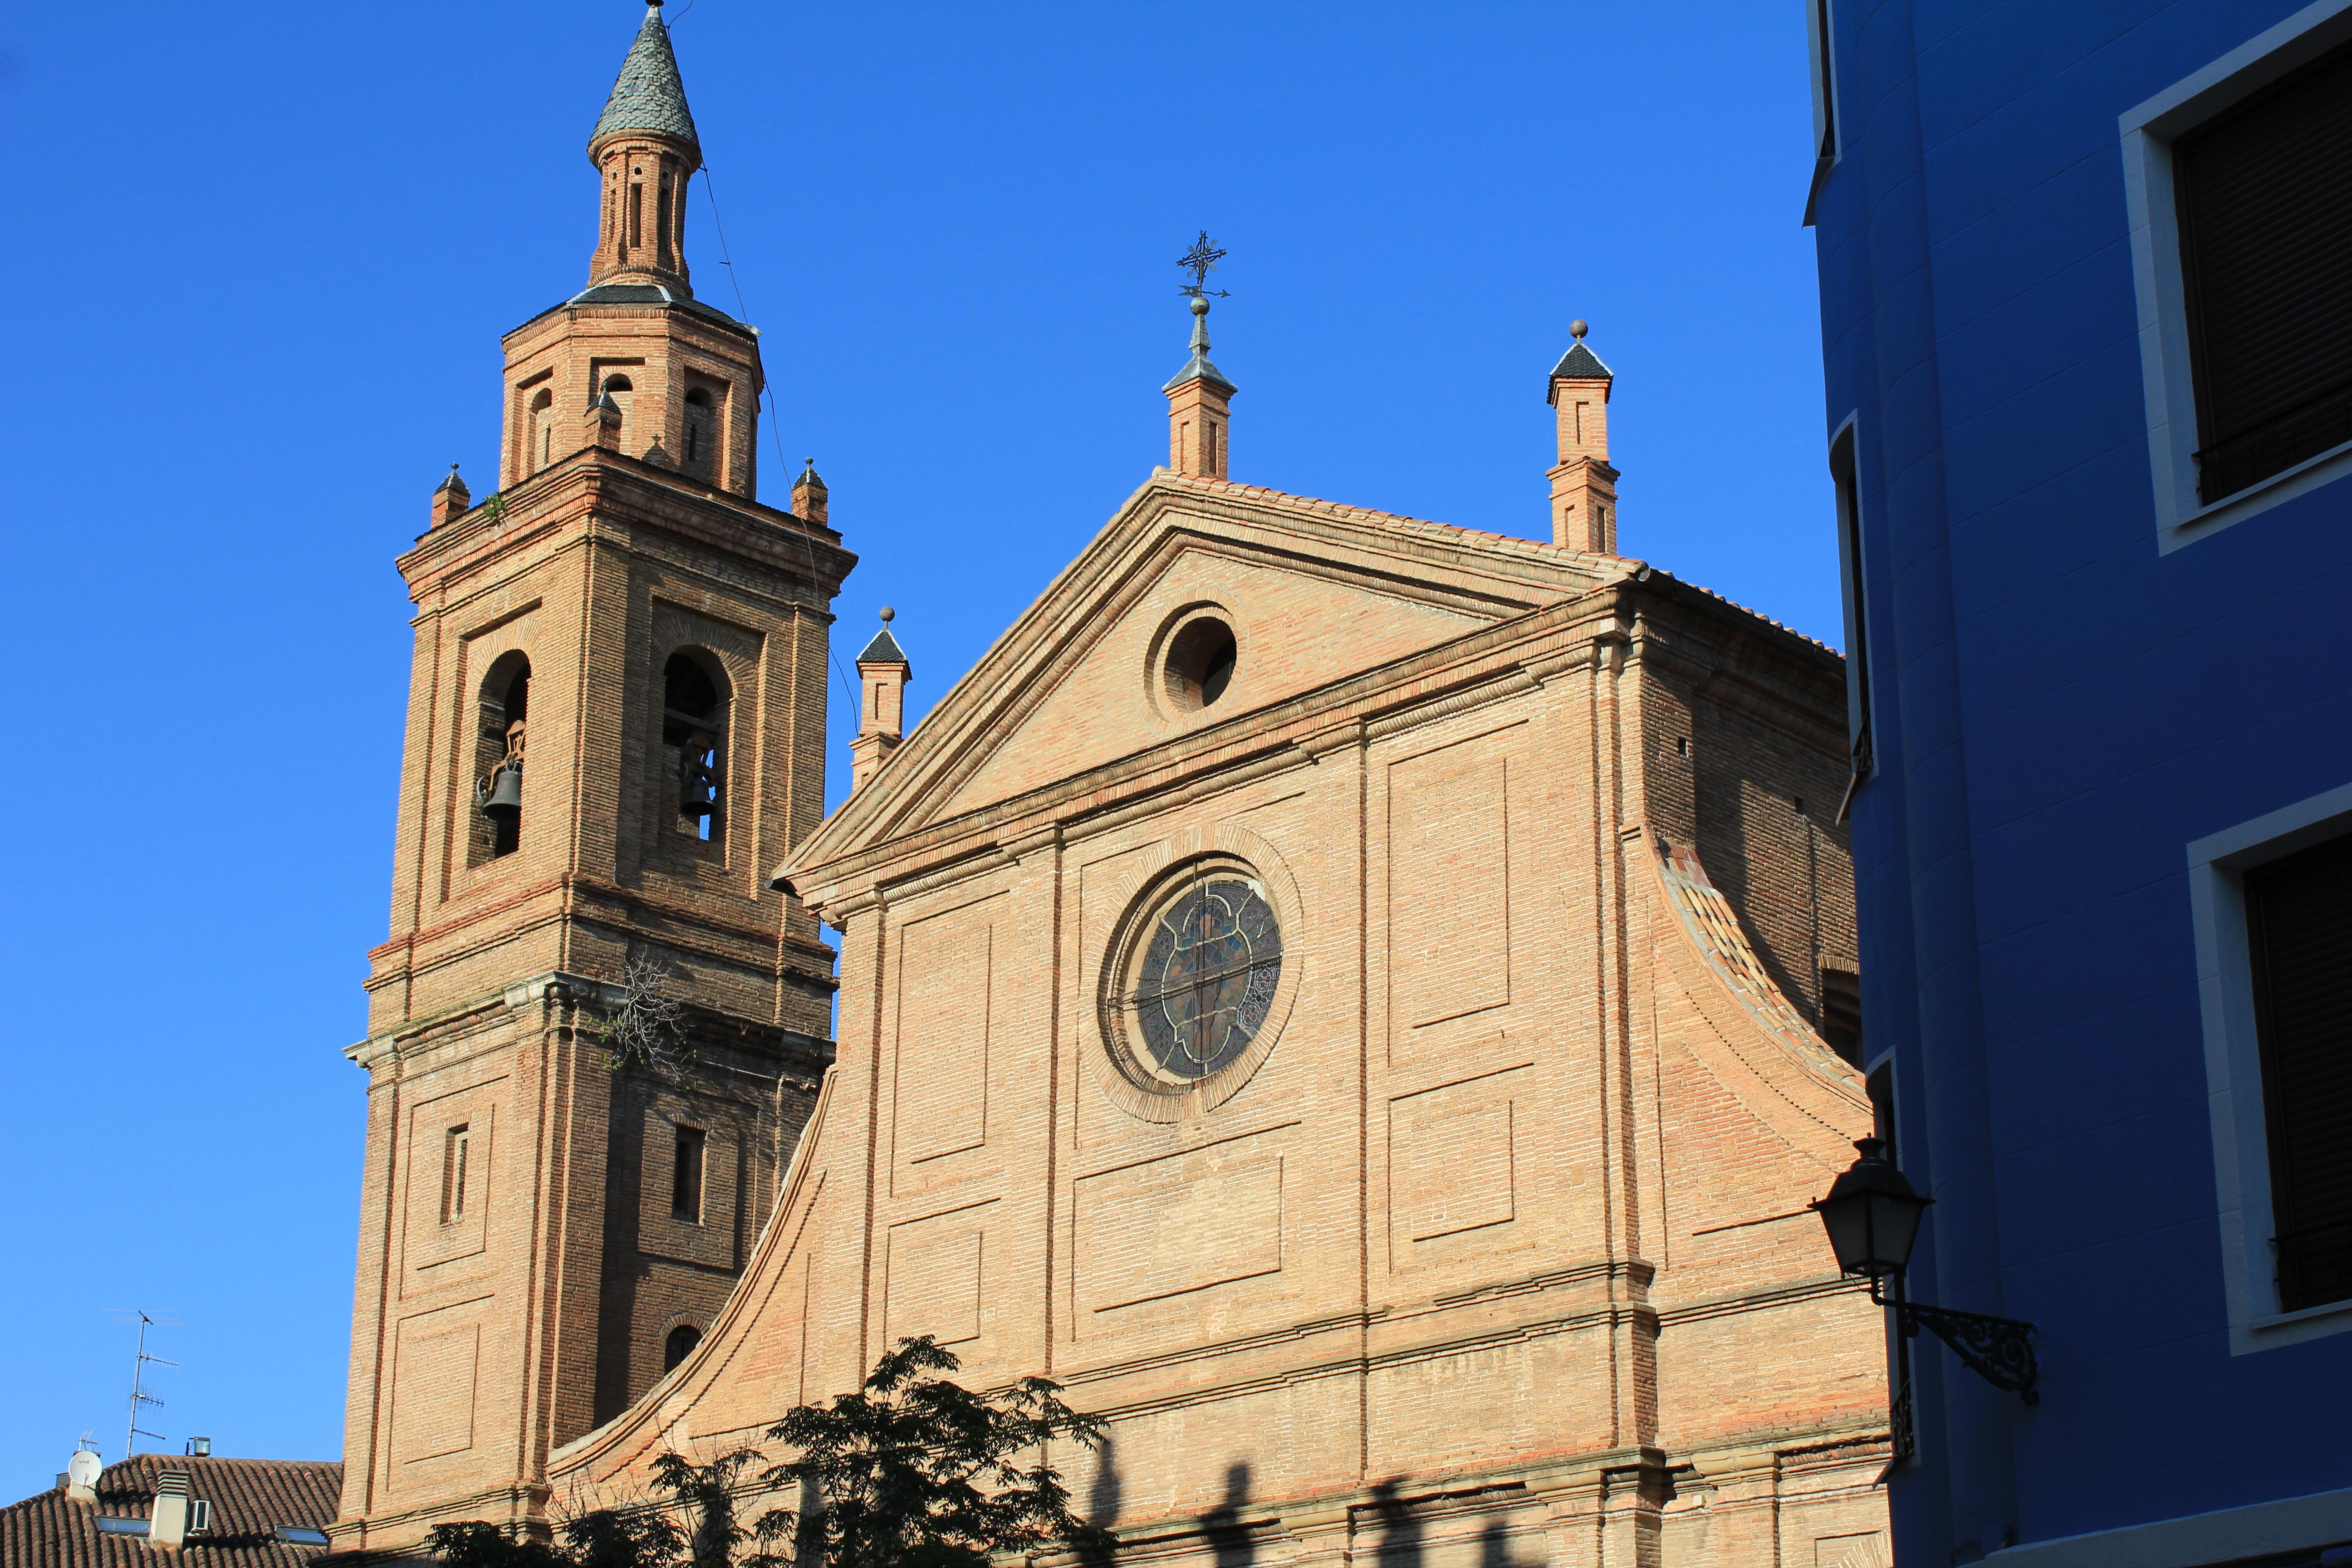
767	396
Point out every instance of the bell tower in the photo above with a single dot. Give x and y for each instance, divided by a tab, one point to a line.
596	1032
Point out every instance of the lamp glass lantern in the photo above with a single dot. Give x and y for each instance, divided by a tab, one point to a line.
1872	1215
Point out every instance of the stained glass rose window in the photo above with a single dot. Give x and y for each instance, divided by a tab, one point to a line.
1211	958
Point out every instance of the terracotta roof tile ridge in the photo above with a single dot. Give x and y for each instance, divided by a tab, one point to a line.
1745	610
1536	548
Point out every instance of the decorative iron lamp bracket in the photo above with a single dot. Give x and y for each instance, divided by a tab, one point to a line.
1872	1216
1998	1350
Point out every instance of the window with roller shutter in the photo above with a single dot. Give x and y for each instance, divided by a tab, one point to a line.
2299	914
2264	205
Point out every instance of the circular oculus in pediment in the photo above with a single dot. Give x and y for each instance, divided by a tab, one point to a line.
1192	660
1200	666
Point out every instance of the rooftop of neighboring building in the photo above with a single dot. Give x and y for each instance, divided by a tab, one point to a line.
263	1513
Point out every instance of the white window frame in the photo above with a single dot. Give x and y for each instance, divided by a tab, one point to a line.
2148	130
1860	720
2218	865
1820	34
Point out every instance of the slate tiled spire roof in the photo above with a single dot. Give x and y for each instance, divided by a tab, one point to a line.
251	1500
1580	364
883	649
648	95
1198	367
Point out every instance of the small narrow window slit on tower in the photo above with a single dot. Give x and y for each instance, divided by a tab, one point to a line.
454	1150
686	1180
697	441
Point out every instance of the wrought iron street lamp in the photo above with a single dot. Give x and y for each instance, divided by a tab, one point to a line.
1873	1218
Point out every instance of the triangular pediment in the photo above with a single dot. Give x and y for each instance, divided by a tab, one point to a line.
1314	593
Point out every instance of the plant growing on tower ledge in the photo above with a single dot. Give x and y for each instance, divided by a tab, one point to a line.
644	1023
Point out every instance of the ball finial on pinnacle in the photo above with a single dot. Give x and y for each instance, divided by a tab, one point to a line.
1200	306
889	615
1577	330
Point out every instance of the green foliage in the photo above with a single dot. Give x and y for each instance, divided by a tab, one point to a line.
706	1494
605	1538
479	1544
608	1539
918	1472
910	1472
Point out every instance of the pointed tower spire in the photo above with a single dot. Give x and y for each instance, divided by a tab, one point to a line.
451	500
882	673
646	148
1583	485
1200	398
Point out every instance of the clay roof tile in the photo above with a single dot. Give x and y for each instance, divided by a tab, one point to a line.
251	1500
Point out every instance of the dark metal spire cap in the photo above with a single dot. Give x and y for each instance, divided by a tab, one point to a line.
1198	367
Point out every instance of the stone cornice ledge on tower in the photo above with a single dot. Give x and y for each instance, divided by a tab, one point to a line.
592	480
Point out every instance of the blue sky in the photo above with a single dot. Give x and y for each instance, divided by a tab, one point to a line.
265	255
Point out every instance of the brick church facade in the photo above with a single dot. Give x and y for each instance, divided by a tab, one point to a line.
1356	1000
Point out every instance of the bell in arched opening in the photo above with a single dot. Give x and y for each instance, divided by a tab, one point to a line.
693	722
497	760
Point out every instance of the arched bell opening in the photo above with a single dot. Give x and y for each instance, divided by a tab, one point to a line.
694	734
503	710
623	393
539	432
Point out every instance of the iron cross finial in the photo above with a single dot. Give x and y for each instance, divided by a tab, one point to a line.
1201	260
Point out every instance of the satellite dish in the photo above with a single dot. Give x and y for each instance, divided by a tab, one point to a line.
83	1468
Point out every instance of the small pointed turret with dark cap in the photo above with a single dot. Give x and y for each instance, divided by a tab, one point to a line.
811	499
1583	485
1200	406
451	499
644	147
882	673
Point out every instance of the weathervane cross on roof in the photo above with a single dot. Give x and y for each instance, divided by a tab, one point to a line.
1201	260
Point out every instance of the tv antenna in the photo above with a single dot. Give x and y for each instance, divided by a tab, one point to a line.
140	1397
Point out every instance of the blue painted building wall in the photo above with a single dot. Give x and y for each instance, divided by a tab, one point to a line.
2058	707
